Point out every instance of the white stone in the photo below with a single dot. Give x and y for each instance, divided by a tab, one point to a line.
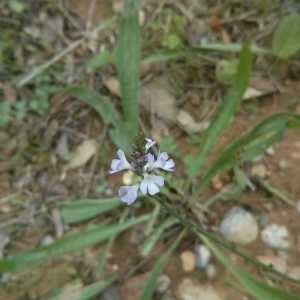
203	256
191	290
163	283
188	260
211	271
239	226
276	236
47	240
283	164
270	151
259	171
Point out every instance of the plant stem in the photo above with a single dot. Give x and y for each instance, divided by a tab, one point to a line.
187	222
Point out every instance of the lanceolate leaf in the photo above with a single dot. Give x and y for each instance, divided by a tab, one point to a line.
106	110
257	289
72	243
150	285
155	236
81	210
76	291
251	144
286	40
128	63
102	105
225	112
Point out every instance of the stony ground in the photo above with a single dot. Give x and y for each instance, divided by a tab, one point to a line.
37	173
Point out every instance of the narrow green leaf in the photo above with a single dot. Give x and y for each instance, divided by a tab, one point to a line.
286	39
76	291
250	144
121	137
99	103
231	47
81	210
71	243
225	112
150	242
128	63
257	289
150	285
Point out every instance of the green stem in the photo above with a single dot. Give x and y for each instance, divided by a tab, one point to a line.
196	229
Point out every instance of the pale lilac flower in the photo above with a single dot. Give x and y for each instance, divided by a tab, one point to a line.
120	164
149	143
144	163
128	194
162	162
151	183
149	159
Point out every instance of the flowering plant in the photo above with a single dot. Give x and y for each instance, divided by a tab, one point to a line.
145	164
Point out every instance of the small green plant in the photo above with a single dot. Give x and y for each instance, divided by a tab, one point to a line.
175	204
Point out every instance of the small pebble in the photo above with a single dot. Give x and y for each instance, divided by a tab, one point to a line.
142	17
217	183
163	283
259	171
211	271
283	165
118	6
276	236
193	290
113	85
270	151
188	260
239	226
203	256
47	240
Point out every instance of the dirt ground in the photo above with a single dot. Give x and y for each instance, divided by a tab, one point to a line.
34	179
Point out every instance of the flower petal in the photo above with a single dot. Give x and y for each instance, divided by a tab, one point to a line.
143	186
163	162
149	158
159	180
149	143
153	189
123	159
120	164
151	183
169	165
128	194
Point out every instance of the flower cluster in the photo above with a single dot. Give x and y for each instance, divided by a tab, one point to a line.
145	164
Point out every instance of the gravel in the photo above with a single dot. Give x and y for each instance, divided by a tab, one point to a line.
239	226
